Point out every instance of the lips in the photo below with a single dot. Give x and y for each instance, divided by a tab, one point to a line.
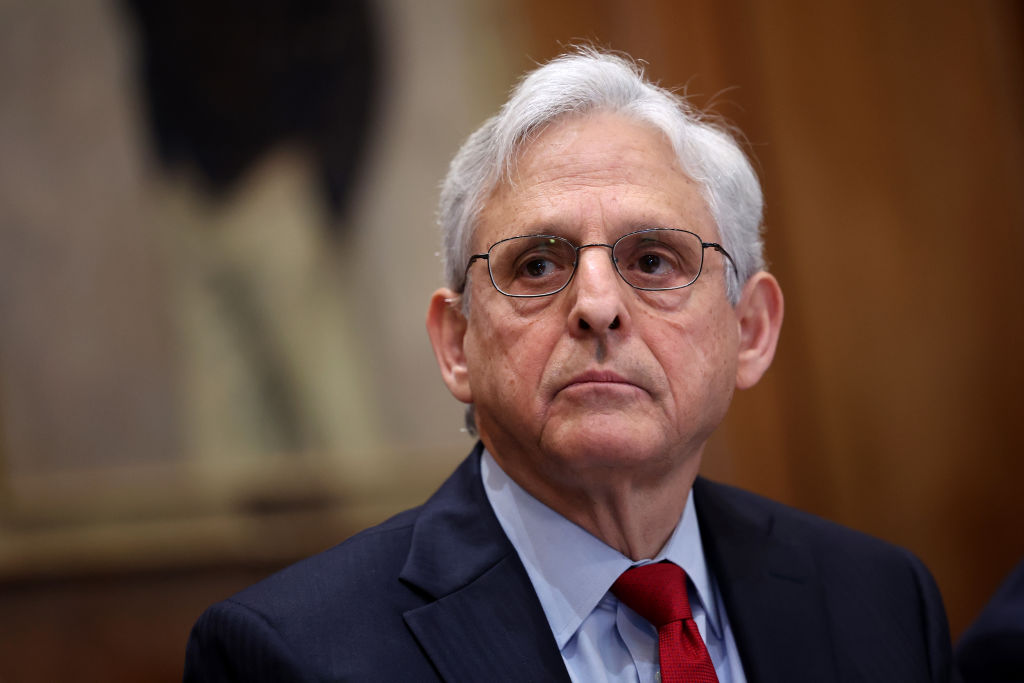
599	377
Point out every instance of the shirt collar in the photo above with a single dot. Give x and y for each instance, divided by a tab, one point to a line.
570	569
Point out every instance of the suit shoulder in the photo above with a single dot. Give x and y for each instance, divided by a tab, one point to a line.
367	563
862	579
751	508
794	525
337	615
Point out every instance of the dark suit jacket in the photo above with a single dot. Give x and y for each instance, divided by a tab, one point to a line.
439	593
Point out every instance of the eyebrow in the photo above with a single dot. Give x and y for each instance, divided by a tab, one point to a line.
558	231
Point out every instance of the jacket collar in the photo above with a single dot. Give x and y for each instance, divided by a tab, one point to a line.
483	619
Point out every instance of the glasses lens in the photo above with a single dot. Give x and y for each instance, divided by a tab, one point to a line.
533	265
659	259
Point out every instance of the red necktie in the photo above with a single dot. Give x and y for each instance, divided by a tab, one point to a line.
657	592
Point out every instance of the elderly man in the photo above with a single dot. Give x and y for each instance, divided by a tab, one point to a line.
606	295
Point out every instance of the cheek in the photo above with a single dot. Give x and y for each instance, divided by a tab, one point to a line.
699	360
506	356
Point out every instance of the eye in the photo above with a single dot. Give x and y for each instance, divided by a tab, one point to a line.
651	264
537	267
659	258
531	265
540	257
654	258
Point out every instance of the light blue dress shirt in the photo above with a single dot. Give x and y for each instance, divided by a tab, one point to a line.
602	640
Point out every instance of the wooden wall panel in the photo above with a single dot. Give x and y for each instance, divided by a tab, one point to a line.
889	139
108	628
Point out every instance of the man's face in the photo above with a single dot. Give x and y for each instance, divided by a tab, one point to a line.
601	376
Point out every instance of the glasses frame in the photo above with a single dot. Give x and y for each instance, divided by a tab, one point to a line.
611	254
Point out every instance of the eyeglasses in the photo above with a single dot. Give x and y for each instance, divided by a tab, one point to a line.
653	260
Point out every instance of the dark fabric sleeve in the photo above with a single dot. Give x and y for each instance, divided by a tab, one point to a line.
992	648
231	642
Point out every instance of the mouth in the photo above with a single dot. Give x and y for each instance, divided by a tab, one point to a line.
599	379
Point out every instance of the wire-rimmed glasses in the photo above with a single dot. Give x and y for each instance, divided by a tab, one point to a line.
654	260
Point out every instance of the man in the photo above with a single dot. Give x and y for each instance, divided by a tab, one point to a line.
606	294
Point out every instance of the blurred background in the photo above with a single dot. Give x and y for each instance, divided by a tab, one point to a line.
217	243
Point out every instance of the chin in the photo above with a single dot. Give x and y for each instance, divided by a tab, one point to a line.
606	443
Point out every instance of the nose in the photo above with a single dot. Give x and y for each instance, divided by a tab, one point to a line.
598	293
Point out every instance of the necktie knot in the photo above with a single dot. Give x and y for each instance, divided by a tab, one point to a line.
657	592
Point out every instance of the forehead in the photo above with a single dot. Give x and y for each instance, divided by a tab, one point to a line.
600	174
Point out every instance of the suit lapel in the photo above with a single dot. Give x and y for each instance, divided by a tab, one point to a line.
489	630
772	593
484	621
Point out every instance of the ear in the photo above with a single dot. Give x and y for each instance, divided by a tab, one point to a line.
759	316
446	326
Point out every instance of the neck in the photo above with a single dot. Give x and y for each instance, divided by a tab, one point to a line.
630	510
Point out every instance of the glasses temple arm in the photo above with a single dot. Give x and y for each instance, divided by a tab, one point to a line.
465	273
720	249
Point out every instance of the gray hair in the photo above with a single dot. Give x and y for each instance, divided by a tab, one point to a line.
584	81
